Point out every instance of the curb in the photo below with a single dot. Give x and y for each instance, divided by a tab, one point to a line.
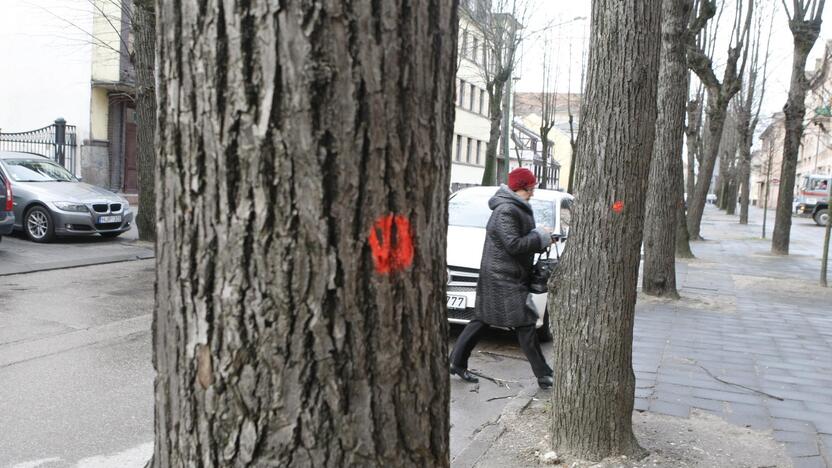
492	430
78	263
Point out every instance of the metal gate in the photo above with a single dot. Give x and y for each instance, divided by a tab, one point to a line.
57	142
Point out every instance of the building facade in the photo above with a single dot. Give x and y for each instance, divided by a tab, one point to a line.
472	126
108	157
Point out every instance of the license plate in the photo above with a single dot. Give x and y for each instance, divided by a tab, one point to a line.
109	219
457	302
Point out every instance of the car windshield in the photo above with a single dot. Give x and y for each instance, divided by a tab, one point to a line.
471	210
36	170
816	184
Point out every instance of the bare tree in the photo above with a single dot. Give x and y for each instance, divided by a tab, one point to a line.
303	178
572	133
144	60
720	93
748	109
805	17
693	137
728	147
498	27
137	44
592	401
767	167
548	107
664	194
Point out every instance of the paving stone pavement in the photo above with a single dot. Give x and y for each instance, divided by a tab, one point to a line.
750	340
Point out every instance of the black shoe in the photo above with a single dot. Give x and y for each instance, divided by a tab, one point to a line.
545	382
463	374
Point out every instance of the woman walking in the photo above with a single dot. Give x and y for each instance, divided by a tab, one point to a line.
503	287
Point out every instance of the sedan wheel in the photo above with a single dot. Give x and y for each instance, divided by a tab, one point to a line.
39	227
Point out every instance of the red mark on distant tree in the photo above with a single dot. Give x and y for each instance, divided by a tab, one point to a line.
392	244
618	206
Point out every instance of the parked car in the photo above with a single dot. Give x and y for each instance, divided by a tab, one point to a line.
6	207
49	201
468	214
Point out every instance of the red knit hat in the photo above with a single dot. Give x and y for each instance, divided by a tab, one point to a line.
521	178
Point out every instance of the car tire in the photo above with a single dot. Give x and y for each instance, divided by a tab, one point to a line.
38	225
110	235
544	333
821	217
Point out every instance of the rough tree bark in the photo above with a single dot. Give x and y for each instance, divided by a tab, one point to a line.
144	30
304	166
596	287
693	137
666	178
805	33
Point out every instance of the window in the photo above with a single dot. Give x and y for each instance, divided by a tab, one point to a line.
475	48
459	147
461	93
468	151
484	56
464	43
482	101
479	150
473	97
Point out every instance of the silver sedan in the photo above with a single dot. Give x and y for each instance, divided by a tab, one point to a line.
49	201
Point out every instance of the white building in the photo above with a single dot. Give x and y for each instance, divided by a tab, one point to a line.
472	126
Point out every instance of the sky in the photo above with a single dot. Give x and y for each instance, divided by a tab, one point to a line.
45	57
575	34
45	63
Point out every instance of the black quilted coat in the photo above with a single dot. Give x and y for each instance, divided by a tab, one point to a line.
511	241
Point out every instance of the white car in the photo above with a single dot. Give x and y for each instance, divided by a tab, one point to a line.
468	214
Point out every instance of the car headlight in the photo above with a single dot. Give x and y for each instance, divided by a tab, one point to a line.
69	206
125	205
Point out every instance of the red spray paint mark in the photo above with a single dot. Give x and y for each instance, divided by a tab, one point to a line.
392	244
618	206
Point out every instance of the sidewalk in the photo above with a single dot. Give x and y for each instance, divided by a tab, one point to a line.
750	342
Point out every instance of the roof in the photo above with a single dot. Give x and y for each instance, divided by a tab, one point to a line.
20	154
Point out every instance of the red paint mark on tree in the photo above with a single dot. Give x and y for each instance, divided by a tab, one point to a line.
618	206
391	243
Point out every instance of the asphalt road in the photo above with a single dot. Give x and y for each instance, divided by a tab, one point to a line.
75	370
76	380
19	255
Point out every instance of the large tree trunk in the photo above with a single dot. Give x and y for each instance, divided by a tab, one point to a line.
664	195
304	171
495	116
144	30
717	109
592	402
795	110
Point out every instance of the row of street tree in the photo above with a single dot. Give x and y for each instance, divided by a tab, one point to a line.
289	132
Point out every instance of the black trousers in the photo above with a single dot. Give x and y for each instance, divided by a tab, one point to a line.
526	336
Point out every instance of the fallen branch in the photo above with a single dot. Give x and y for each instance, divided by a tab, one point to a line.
510	356
498	382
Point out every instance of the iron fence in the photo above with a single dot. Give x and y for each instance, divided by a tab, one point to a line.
57	142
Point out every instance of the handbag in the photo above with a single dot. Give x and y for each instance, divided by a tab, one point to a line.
542	271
